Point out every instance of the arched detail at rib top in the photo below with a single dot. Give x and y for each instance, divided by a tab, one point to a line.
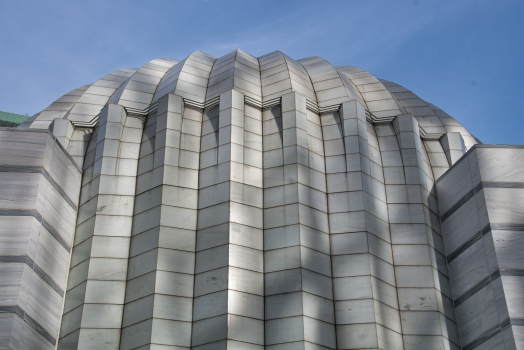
57	109
281	74
331	88
237	70
97	95
432	120
378	99
138	91
188	79
84	103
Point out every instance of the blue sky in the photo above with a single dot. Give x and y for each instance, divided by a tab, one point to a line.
464	56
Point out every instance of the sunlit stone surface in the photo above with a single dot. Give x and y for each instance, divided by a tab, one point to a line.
257	203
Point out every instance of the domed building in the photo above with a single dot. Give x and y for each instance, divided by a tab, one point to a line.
257	203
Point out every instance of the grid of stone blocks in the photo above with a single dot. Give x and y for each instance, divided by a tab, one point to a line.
40	185
256	203
482	224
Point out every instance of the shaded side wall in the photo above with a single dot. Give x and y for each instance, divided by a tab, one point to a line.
481	203
39	188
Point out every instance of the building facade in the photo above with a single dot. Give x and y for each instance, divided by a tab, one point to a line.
257	203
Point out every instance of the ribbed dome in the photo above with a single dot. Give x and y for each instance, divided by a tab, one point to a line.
201	77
